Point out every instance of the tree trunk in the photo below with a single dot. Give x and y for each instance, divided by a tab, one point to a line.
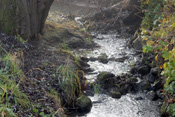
30	16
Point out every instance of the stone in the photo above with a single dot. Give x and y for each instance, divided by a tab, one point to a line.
122	59
104	75
139	98
85	59
76	42
137	43
144	85
151	95
155	71
116	95
157	84
106	80
151	78
103	58
133	70
124	89
84	104
144	70
93	59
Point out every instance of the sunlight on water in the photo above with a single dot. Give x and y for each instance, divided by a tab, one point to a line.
127	105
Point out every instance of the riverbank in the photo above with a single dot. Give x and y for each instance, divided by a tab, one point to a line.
53	77
48	75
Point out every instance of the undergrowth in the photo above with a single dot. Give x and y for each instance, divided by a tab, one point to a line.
158	29
10	77
70	83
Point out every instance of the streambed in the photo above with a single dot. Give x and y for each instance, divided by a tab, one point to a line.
129	105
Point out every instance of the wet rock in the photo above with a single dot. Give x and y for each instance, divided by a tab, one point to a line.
144	85
84	59
106	79
89	93
76	42
93	59
159	94
83	64
84	104
155	71
157	84
151	95
139	98
133	80
137	43
144	70
104	75
115	94
103	58
122	59
151	78
133	70
124	89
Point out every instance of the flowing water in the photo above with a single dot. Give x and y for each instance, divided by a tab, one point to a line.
128	105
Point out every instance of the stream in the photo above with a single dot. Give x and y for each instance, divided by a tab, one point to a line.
128	105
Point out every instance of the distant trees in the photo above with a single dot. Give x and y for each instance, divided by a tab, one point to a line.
24	17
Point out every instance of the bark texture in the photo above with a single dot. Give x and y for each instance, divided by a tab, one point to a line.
30	16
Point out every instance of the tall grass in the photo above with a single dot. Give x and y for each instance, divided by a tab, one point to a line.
10	78
69	82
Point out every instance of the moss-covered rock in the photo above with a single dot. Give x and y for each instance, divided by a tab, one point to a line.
106	80
83	103
103	58
115	94
145	85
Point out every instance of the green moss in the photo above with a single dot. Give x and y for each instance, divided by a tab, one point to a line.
102	75
76	59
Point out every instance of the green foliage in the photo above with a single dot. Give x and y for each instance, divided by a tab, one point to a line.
96	88
153	13
69	82
171	109
147	49
76	59
10	93
20	39
6	112
158	30
65	46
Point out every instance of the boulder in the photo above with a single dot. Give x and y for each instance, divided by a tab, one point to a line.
115	94
139	98
84	104
103	58
144	70
137	43
155	71
157	84
144	85
93	59
151	95
151	78
133	70
122	59
106	80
